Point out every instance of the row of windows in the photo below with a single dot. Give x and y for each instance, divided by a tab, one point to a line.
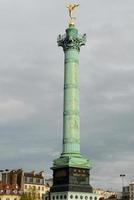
72	197
83	197
59	197
8	191
34	187
34	194
9	198
33	180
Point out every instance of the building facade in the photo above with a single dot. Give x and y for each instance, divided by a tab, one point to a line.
9	192
131	190
28	182
125	193
104	194
34	182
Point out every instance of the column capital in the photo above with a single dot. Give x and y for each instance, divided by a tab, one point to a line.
71	40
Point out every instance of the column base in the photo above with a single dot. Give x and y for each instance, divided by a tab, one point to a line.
76	188
71	160
71	179
70	195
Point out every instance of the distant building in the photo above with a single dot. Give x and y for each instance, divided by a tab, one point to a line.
131	190
9	192
104	194
12	177
119	195
26	181
49	182
35	181
125	193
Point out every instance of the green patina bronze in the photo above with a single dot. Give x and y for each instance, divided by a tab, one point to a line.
71	157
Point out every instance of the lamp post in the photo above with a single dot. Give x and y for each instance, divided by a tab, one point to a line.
122	180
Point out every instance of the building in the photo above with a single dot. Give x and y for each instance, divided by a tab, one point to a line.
104	194
12	177
71	171
131	190
119	195
26	181
35	181
125	193
9	192
49	182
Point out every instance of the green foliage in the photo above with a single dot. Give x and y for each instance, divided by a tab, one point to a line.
30	195
25	196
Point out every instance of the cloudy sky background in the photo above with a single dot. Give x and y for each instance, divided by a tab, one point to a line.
31	86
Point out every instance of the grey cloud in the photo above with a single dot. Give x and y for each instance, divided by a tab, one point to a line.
31	85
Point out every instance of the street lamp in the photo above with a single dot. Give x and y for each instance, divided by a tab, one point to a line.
122	178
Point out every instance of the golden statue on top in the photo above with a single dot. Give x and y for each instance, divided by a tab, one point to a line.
71	8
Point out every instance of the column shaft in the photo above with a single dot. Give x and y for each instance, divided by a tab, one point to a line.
71	125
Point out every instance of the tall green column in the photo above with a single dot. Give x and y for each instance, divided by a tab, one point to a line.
71	43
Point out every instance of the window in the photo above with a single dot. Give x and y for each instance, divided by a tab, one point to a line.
15	191
25	186
86	197
57	197
60	196
39	188
91	198
81	197
33	187
42	188
95	198
7	192
76	197
37	180
42	181
71	196
25	179
53	197
31	179
65	196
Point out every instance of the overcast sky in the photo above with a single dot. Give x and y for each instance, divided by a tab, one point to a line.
31	86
